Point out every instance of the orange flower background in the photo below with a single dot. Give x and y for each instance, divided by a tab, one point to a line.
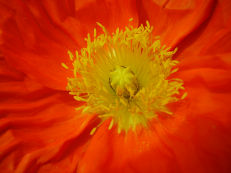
42	132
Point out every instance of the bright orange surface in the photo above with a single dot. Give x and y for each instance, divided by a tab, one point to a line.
40	131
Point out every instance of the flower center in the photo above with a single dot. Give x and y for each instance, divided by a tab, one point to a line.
124	82
125	77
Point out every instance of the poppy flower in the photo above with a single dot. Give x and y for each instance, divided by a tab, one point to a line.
129	112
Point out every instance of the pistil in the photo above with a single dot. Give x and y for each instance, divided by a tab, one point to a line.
124	82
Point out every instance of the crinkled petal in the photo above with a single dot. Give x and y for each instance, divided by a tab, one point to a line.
40	129
38	34
196	138
213	37
174	20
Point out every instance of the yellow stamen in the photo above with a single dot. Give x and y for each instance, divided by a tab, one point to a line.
93	131
64	66
125	77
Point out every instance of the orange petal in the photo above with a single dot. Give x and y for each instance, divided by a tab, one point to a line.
213	37
195	139
38	34
174	20
40	129
213	72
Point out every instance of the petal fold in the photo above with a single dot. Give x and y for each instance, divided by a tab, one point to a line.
36	35
174	20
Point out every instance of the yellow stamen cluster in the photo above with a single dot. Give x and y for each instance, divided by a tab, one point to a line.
124	77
